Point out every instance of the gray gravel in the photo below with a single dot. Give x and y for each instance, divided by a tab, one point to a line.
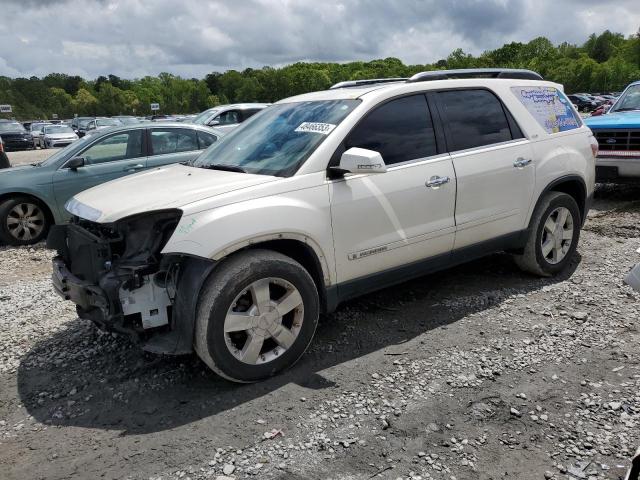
30	156
480	372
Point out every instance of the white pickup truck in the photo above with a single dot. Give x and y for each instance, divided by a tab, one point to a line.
323	197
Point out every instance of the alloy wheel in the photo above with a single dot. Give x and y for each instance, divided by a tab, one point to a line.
25	221
557	235
264	321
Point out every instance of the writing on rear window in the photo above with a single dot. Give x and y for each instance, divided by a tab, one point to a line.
315	127
551	109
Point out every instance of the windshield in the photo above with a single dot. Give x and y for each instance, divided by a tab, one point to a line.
279	139
84	122
107	122
202	118
11	127
630	100
75	146
57	129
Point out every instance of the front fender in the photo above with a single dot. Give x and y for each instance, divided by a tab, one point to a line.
302	215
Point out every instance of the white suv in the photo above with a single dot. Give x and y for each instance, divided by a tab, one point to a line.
323	197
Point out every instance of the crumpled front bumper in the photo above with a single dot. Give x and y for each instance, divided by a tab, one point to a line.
84	294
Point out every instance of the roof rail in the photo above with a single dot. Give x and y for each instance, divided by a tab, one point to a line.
515	73
370	81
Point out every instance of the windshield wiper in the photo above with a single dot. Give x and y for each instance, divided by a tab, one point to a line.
626	109
226	168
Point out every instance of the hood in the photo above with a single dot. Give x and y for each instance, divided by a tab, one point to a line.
15	134
14	170
61	135
173	186
614	120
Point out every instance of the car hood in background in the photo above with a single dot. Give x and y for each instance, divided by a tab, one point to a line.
614	120
161	188
61	135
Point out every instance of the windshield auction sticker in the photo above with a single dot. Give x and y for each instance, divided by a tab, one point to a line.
550	109
313	127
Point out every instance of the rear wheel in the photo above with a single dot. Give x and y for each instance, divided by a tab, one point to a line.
553	235
257	314
23	221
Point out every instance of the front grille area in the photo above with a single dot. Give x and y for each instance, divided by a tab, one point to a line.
618	141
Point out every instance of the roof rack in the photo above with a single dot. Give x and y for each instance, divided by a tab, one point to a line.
515	73
370	81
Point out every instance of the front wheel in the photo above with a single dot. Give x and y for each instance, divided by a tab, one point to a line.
22	221
553	235
257	314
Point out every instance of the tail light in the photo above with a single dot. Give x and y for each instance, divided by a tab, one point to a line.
1	146
594	146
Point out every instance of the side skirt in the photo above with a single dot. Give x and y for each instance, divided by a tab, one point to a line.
354	288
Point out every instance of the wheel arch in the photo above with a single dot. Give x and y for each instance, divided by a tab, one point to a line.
572	185
47	208
298	247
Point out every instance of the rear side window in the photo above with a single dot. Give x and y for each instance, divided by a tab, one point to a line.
173	140
250	112
550	107
475	118
205	139
400	130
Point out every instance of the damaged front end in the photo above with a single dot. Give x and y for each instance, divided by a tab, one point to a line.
118	279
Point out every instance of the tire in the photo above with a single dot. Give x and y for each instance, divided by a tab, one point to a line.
241	348
537	258
23	221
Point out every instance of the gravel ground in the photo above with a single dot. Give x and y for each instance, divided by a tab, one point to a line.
479	372
30	156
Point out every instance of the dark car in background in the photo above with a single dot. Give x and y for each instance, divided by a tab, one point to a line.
4	160
79	125
584	103
15	136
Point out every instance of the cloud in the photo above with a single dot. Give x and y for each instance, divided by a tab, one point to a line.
133	38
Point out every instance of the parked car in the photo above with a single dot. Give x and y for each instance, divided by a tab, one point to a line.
32	196
79	125
35	130
323	197
4	160
583	103
227	117
57	136
99	123
15	136
618	135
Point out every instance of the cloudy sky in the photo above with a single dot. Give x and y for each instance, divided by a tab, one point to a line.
132	38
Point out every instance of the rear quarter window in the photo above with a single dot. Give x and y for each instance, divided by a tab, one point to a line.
549	107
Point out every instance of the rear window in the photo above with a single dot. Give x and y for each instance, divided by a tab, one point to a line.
550	108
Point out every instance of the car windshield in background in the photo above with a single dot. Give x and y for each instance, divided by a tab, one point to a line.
629	101
279	139
107	122
84	123
57	129
11	127
202	118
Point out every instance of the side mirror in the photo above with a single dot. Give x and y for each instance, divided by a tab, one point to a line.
361	160
213	123
75	163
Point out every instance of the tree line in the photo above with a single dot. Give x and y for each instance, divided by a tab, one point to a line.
604	63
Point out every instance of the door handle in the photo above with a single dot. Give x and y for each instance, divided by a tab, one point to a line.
133	168
521	162
436	182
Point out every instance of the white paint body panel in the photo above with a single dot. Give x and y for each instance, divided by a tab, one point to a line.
366	223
